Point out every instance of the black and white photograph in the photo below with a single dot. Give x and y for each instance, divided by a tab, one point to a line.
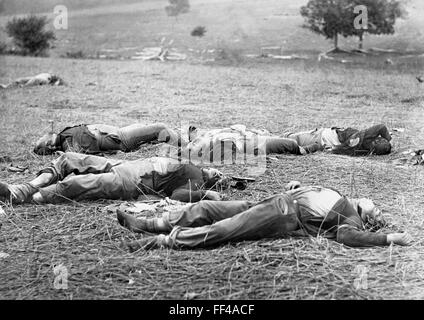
213	154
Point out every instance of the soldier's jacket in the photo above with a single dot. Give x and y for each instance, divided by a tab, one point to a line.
89	139
167	177
341	223
359	142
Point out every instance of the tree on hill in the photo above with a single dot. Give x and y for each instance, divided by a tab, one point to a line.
381	16
332	18
2	44
327	18
177	7
29	34
199	31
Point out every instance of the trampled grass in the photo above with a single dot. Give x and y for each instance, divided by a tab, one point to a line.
279	97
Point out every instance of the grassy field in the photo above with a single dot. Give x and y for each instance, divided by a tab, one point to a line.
279	96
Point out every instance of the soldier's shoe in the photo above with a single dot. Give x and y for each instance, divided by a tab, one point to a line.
5	194
146	226
314	148
17	193
130	222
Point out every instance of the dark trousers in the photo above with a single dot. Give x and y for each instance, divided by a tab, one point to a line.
209	223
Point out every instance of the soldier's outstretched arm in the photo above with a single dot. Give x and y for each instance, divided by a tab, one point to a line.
352	237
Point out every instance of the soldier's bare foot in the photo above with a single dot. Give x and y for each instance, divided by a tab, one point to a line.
130	222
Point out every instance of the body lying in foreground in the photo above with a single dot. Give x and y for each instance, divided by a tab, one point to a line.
304	211
75	176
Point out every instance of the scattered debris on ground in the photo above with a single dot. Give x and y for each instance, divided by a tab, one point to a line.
5	159
3	214
411	157
159	53
277	57
147	207
324	56
17	169
4	255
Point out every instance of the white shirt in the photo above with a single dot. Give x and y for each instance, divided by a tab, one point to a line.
319	200
329	138
238	135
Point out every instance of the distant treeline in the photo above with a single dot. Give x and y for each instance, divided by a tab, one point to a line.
10	7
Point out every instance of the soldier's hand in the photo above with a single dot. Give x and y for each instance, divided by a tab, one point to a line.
402	239
292	185
213	195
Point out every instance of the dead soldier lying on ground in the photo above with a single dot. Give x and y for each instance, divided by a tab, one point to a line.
38	80
102	138
76	176
348	141
309	210
237	139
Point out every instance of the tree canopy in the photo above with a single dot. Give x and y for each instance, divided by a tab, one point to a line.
30	35
177	7
332	18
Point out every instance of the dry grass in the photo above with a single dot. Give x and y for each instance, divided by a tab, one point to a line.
86	239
